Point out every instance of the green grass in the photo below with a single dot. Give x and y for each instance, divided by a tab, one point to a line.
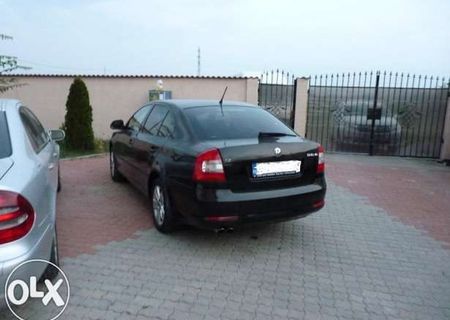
101	146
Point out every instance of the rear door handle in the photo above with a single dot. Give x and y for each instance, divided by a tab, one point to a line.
51	166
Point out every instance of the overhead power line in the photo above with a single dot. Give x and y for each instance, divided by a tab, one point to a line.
39	64
5	37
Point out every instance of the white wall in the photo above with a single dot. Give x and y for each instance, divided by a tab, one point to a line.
118	97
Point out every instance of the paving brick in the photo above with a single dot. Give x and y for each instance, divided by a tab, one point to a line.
352	260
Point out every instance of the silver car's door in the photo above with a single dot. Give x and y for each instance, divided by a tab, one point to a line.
46	173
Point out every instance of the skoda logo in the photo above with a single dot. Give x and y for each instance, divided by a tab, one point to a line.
277	151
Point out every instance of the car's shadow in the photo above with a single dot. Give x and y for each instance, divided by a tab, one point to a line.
268	237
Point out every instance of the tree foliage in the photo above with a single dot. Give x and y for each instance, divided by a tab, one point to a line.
8	64
78	119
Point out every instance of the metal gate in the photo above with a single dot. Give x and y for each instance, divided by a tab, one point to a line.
276	94
378	113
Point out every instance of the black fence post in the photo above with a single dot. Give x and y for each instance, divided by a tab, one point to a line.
374	112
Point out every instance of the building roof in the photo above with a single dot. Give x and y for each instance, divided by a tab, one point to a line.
50	75
188	103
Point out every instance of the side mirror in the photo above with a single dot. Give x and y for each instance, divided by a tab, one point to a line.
117	125
57	135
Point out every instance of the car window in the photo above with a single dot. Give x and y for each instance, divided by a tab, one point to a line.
168	127
155	119
356	107
34	129
5	141
136	121
232	122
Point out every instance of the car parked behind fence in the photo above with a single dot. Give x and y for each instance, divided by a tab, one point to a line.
353	127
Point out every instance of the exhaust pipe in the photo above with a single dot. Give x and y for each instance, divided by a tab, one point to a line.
224	230
230	230
219	230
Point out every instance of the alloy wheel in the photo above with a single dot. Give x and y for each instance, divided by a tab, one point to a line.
158	205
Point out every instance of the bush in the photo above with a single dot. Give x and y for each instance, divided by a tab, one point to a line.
78	119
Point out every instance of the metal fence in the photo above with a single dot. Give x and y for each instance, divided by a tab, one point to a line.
378	113
276	94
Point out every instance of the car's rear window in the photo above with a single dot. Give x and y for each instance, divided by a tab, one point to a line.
5	142
232	122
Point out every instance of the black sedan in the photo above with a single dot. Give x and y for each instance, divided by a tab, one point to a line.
216	165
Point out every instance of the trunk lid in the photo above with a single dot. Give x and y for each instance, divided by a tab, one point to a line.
239	155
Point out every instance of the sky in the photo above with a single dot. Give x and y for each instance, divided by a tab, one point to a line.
235	36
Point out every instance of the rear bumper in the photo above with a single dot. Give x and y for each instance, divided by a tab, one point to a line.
40	250
214	208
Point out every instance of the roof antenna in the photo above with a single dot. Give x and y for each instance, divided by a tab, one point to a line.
221	100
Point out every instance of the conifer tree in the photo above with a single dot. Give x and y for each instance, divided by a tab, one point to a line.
78	119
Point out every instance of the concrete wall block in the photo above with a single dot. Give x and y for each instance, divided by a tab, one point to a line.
301	105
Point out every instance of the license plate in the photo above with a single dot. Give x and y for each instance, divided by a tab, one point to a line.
270	169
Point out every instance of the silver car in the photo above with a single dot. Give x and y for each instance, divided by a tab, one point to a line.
29	180
353	128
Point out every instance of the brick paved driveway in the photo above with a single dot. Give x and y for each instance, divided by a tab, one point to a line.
378	250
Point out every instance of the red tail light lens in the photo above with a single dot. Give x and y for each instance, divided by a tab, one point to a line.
318	204
209	167
16	216
321	160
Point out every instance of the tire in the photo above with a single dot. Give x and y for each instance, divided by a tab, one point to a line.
51	272
162	212
116	176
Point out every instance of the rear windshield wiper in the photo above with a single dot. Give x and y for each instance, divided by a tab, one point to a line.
274	134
